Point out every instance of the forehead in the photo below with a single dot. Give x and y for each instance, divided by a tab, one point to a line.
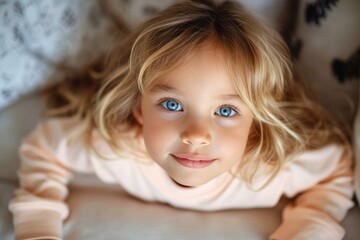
205	69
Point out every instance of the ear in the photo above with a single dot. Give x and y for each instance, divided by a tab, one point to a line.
136	111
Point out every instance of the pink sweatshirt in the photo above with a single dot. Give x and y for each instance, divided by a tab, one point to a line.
323	177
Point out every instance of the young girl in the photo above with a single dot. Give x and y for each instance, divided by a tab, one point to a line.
198	109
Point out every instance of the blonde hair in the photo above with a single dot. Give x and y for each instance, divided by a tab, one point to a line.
286	120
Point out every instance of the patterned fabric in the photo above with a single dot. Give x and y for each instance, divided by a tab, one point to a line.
317	10
327	47
38	39
346	70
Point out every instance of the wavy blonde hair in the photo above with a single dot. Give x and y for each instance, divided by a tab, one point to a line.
286	120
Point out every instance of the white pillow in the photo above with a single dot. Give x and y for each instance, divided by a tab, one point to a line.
35	36
326	34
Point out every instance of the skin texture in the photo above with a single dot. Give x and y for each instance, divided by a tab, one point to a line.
201	95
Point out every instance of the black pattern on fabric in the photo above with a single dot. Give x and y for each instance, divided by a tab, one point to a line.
316	11
349	69
343	70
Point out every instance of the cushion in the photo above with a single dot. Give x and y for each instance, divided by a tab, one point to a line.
327	43
39	39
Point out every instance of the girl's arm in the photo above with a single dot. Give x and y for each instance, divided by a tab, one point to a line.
38	207
325	179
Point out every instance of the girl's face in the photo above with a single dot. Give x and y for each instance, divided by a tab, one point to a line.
195	125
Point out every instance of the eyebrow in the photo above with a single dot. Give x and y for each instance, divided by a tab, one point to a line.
163	88
231	96
166	88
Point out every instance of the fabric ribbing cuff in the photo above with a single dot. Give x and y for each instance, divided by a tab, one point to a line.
38	224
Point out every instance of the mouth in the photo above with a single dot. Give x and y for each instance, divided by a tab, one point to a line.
193	160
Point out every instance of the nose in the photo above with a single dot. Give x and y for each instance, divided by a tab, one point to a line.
196	135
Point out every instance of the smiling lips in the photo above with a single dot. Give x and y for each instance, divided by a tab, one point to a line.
193	160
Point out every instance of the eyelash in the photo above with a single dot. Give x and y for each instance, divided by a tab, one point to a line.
235	109
169	99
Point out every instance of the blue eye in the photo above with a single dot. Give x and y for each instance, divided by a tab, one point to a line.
171	105
226	112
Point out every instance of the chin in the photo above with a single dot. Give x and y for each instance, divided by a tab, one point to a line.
188	184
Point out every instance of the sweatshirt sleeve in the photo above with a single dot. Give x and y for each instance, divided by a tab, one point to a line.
47	159
322	182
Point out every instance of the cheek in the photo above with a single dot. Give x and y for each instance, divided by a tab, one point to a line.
233	141
157	135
